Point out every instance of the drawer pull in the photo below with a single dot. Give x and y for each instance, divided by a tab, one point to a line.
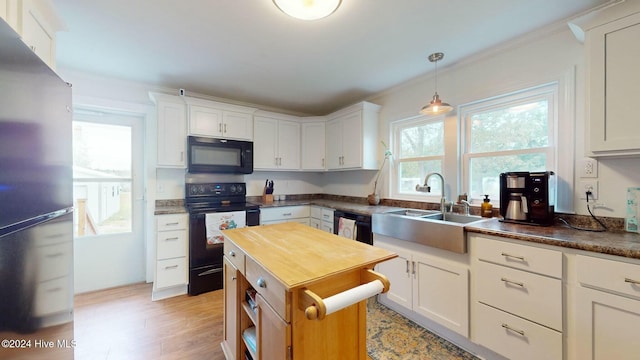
316	308
232	253
521	332
170	267
54	255
521	258
512	282
261	283
636	282
287	214
171	238
171	224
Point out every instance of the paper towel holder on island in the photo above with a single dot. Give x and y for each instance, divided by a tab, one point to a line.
316	308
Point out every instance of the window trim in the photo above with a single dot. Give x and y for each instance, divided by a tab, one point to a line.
394	169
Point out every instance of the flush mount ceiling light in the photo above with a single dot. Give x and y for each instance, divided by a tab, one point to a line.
436	106
307	9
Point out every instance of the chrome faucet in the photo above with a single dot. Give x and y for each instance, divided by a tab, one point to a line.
467	206
427	188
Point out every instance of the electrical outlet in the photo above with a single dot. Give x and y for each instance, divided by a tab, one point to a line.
589	168
588	185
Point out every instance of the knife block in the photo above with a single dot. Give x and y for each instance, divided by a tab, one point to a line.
267	198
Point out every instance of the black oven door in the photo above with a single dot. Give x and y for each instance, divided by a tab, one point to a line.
205	256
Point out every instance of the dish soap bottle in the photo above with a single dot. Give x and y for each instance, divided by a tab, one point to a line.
486	209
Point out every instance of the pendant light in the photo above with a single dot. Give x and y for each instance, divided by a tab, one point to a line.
308	9
436	106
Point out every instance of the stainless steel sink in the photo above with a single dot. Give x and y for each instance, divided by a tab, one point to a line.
432	228
413	212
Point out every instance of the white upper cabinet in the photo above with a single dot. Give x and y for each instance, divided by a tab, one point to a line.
313	145
352	138
213	119
613	53
276	142
172	130
37	23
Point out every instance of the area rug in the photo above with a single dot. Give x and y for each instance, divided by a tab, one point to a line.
391	336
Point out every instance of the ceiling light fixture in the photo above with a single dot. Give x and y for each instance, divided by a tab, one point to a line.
308	9
436	106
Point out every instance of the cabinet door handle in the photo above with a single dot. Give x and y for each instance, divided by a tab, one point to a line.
232	253
225	128
233	278
521	258
414	268
220	127
181	155
407	267
636	282
261	283
506	326
322	162
512	282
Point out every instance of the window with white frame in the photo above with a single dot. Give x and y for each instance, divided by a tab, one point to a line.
418	148
514	132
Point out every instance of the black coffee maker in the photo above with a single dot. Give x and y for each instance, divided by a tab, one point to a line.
528	197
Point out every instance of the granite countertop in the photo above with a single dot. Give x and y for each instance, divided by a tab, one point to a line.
617	243
610	242
357	208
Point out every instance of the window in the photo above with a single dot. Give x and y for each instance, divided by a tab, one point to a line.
507	133
102	177
418	148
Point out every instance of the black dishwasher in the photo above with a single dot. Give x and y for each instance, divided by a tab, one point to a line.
364	233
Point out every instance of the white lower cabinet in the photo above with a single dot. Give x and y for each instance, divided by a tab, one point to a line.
607	312
518	305
321	218
172	270
280	214
428	282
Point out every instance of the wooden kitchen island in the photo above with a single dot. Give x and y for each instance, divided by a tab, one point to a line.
277	281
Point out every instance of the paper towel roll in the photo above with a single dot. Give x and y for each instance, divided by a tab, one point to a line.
352	296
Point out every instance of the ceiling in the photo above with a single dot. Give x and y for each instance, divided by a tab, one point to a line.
248	51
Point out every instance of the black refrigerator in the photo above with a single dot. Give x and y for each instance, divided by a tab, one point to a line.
36	206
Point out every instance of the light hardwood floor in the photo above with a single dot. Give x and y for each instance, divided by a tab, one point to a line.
123	323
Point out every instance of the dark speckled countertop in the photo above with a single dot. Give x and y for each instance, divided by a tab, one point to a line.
618	242
610	242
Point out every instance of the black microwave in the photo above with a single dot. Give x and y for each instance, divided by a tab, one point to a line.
209	155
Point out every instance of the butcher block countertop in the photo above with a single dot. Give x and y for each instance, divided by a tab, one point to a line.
298	255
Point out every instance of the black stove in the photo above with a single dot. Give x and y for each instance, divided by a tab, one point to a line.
205	256
217	197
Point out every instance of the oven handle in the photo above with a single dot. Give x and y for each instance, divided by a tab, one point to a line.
209	272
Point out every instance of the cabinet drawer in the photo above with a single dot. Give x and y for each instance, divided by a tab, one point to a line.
172	222
235	255
327	214
171	272
609	275
54	261
514	337
541	261
171	244
316	212
53	296
534	297
267	286
53	233
284	213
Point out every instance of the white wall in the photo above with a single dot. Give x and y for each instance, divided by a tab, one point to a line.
544	57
